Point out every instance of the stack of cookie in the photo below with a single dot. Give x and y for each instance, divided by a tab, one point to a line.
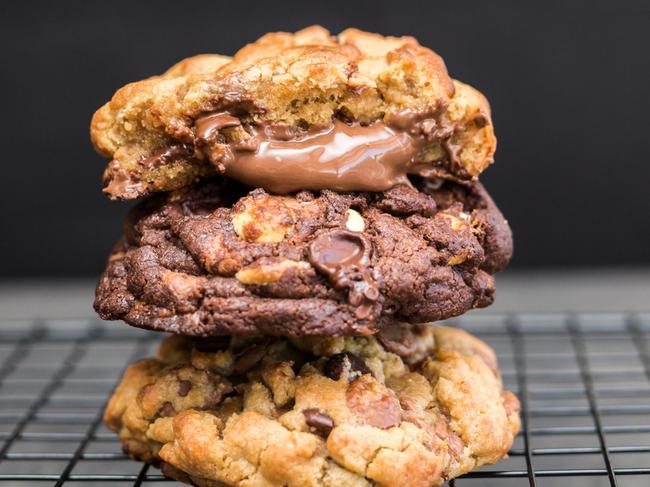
309	206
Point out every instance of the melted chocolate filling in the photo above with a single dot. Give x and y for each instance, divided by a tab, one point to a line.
341	156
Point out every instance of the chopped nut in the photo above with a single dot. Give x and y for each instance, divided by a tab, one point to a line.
354	221
457	259
184	285
262	218
227	266
455	222
266	273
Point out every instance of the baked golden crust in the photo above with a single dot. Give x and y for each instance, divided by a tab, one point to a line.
301	79
412	406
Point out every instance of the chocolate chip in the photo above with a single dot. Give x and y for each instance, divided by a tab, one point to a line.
250	357
480	121
335	366
166	410
331	251
221	387
344	257
317	419
441	428
456	445
416	417
398	339
372	403
444	432
184	387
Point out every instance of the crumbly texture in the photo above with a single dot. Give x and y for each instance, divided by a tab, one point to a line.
302	79
214	260
410	407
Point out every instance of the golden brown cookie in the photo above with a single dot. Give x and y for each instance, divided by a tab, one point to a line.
214	114
412	406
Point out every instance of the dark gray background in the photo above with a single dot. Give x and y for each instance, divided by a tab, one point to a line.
568	82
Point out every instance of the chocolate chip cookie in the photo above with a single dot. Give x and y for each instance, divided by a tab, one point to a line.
409	407
291	112
216	259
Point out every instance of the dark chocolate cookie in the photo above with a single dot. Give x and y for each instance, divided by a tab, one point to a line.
216	260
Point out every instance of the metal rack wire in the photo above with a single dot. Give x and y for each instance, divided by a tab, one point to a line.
583	380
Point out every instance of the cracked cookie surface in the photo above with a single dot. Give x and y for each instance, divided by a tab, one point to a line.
214	260
411	406
151	129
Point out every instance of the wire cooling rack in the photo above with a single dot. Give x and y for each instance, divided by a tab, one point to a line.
583	380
